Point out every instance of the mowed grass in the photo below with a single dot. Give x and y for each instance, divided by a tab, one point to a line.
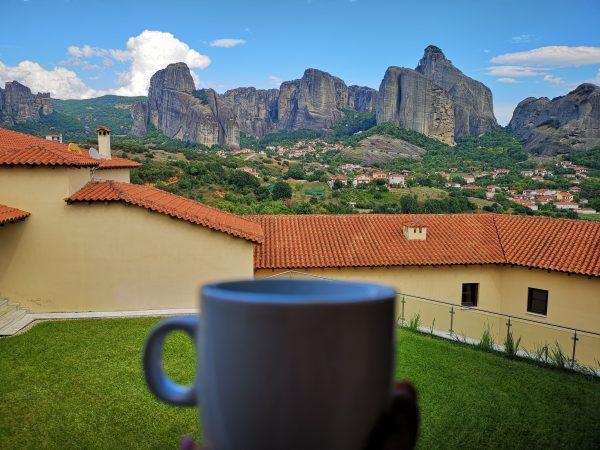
79	384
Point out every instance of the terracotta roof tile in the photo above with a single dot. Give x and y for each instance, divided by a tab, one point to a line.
377	240
171	205
114	162
571	246
9	214
18	149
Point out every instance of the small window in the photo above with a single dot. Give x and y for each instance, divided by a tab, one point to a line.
469	294
537	301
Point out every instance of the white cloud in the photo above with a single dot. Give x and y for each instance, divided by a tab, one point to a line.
227	43
60	82
507	80
553	80
145	54
149	52
552	56
514	71
275	80
521	39
504	112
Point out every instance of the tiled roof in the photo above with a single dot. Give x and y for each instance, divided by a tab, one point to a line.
114	162
18	149
171	205
8	214
21	149
377	240
571	246
304	241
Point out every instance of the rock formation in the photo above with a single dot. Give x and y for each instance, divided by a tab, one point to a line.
318	100
18	104
362	99
550	127
412	101
254	110
314	102
179	111
139	119
473	108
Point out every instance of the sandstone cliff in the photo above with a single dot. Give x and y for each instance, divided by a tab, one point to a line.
473	108
314	102
179	111
412	101
18	104
254	110
550	127
362	99
318	100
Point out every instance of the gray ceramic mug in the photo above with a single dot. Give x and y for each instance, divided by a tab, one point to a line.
285	364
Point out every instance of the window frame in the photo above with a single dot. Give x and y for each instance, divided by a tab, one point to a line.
462	296
530	292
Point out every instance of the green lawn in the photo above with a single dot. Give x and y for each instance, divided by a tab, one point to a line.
79	384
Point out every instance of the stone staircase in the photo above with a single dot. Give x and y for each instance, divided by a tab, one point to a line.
12	318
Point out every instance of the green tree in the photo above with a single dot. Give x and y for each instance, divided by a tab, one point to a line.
281	190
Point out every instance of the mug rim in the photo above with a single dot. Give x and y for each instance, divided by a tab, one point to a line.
297	291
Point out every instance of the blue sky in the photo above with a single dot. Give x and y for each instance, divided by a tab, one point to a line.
77	48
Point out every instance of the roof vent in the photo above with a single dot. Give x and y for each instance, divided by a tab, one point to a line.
414	230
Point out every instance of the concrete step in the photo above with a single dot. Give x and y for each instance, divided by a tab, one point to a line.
16	326
7	308
10	317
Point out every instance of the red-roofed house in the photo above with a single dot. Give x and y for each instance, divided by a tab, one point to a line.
111	246
90	244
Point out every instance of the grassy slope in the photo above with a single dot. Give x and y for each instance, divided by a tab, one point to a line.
79	384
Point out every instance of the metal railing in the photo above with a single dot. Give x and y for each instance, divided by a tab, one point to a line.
521	336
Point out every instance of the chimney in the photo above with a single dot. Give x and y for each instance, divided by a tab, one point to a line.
104	142
414	231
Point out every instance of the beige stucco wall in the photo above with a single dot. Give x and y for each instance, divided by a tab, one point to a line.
104	257
573	301
122	175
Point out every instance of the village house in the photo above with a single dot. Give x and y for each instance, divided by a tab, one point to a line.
490	192
250	170
566	206
341	178
379	176
565	196
527	203
361	179
469	179
472	187
396	180
72	242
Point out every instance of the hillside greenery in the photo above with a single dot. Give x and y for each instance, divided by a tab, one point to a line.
77	120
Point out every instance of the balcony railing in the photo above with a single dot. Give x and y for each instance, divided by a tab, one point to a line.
549	343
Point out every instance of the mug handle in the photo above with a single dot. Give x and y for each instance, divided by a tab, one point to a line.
159	384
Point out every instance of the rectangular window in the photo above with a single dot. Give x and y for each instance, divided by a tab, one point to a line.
469	294
537	301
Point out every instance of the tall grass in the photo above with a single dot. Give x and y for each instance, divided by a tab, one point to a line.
415	322
486	342
511	346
